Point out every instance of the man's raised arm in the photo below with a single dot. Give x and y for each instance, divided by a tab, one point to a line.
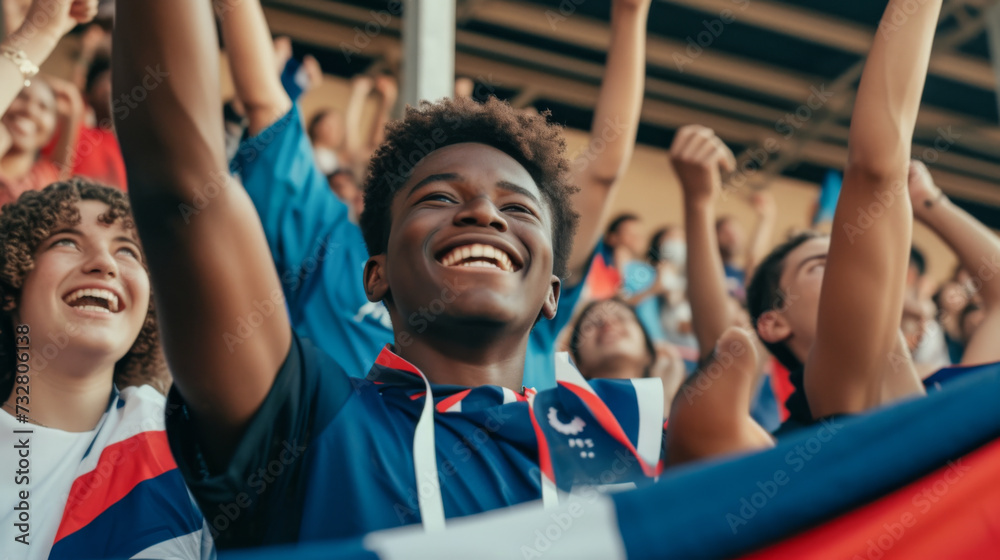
855	359
208	259
251	59
612	135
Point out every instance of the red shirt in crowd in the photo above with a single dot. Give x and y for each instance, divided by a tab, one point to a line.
99	157
42	174
96	156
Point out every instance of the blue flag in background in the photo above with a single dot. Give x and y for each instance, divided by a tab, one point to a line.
829	193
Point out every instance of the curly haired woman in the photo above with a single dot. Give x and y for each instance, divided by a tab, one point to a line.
80	369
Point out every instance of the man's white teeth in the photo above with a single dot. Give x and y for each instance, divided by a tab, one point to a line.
480	264
105	295
486	256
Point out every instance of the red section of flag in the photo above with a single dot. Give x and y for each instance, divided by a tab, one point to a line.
603	280
952	513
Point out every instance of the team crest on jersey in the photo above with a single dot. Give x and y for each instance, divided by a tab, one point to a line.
574	427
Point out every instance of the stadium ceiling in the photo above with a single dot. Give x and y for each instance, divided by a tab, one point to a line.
757	71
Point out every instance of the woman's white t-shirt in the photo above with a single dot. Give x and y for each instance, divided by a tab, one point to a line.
52	458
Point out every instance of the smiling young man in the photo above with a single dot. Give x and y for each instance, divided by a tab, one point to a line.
277	442
319	253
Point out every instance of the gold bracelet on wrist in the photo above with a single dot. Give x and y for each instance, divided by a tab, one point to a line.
27	68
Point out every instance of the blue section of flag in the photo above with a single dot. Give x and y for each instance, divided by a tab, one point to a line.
128	526
953	374
347	550
864	458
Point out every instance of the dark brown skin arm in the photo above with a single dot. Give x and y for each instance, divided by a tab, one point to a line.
207	255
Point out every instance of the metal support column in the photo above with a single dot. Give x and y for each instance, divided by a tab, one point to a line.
428	50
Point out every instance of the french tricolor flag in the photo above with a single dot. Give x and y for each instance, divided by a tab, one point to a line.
917	480
128	499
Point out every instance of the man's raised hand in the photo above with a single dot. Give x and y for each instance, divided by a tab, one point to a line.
700	158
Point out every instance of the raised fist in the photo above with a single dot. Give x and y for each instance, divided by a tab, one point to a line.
699	158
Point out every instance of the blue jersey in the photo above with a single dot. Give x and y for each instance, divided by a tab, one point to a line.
639	277
328	456
736	281
320	256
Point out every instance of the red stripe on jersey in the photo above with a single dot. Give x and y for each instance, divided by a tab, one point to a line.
610	424
389	359
544	458
121	467
448	402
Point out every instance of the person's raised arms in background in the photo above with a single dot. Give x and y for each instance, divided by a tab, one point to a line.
69	118
714	420
699	158
766	209
977	249
44	24
829	308
597	173
252	56
29	112
388	92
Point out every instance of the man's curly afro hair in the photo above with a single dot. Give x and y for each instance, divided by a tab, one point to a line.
24	225
530	139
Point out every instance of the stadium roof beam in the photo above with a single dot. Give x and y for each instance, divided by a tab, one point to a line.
844	35
537	73
828	119
755	76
